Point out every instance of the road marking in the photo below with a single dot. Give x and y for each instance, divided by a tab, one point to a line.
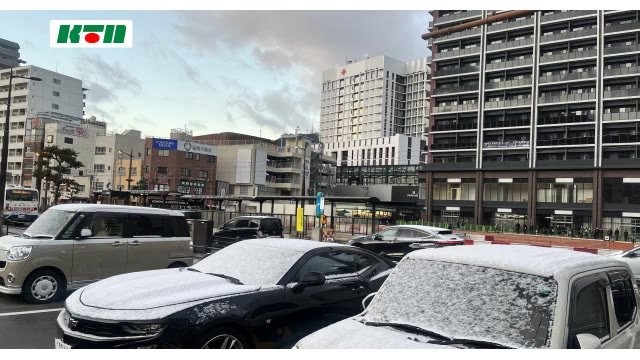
29	312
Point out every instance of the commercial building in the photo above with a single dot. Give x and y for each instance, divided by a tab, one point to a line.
180	165
9	54
58	95
536	120
375	102
111	168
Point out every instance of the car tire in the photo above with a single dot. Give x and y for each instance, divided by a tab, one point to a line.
223	338
43	287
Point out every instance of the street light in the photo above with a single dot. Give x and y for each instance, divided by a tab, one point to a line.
5	140
130	155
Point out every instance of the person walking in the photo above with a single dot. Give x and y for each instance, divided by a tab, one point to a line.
517	228
524	228
626	235
617	234
610	233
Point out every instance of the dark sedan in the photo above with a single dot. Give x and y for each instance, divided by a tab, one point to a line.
394	242
255	293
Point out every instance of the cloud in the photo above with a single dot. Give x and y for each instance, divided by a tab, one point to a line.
112	76
298	45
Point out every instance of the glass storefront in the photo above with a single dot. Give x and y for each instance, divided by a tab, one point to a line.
517	191
580	191
615	191
622	224
464	190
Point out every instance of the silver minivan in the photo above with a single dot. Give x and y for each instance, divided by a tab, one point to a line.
72	245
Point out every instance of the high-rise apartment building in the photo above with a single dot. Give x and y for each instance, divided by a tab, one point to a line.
371	102
57	94
9	54
536	120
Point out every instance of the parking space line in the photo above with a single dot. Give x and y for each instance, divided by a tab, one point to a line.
29	312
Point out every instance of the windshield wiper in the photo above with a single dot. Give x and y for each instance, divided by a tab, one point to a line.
231	279
472	342
412	328
192	269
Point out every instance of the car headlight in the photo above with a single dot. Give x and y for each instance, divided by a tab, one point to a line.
143	329
18	253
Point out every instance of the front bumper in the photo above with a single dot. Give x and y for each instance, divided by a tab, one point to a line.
11	290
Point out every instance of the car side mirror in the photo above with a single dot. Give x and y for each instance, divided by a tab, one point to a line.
588	341
313	278
85	233
632	255
367	300
377	237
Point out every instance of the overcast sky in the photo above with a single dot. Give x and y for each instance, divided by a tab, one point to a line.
215	71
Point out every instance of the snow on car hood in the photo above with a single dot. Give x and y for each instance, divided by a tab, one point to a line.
150	294
352	334
9	241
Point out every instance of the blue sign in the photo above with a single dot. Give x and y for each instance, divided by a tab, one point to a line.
165	144
320	204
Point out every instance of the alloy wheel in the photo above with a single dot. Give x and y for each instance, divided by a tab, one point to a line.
223	341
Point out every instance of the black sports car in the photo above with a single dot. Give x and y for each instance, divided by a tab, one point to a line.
394	242
255	293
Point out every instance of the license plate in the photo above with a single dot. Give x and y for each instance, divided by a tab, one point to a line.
61	345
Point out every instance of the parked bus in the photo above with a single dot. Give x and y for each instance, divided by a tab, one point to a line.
20	204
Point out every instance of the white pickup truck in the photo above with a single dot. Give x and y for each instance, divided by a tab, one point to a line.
496	296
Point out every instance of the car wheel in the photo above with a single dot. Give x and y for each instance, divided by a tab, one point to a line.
43	287
223	338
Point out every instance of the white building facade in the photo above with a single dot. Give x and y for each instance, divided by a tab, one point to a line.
107	160
375	103
56	93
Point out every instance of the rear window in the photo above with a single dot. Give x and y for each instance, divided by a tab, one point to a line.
178	227
445	232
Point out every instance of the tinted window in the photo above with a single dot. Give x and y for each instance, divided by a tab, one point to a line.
253	224
242	223
624	302
106	225
362	262
590	315
335	263
148	225
445	232
22	195
177	227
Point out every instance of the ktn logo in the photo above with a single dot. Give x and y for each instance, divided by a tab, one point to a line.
91	33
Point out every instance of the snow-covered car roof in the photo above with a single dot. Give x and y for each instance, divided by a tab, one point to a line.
533	260
290	244
121	208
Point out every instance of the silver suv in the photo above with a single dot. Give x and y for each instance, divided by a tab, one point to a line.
70	246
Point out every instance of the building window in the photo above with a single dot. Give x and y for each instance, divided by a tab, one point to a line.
134	171
56	81
149	151
162	170
581	191
98	185
189	155
81	188
68	140
146	169
98	168
164	153
186	172
121	171
210	158
56	93
55	106
203	174
101	150
197	156
49	139
465	190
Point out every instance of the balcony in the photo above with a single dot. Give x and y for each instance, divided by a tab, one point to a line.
456	53
621	49
567	98
634	26
455	89
508	84
622	71
453	146
455	71
454	108
563	119
458	35
507	103
621	139
458	16
509	25
633	115
282	183
568	35
510	44
612	94
505	144
566	15
492	124
573	55
568	77
509	64
455	126
586	140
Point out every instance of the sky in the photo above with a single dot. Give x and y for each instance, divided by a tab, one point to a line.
252	72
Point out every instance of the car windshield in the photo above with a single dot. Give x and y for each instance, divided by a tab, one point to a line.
50	223
251	263
468	302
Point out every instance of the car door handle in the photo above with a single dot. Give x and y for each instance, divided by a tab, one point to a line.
135	243
358	289
117	243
